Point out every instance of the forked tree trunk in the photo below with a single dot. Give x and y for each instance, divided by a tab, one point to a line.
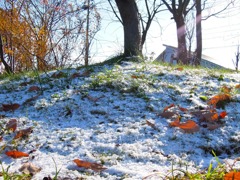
132	34
181	36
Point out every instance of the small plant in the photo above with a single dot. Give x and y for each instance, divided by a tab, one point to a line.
9	176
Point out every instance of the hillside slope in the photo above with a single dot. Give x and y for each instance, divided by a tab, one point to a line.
122	117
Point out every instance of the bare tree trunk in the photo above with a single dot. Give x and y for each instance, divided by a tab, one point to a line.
181	36
198	32
130	19
7	67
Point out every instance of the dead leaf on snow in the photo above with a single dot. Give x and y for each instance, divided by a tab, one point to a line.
11	125
189	126
34	88
167	115
16	154
232	176
31	99
168	107
89	165
151	125
10	107
23	133
29	168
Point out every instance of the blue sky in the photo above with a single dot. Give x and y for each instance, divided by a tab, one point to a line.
221	35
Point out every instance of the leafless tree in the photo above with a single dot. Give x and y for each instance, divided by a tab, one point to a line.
236	61
201	6
179	10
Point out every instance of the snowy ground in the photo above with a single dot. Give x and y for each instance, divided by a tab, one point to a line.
111	116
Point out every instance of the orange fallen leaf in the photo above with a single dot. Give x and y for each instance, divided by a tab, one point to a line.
89	165
34	88
16	154
209	116
189	126
179	69
168	107
11	125
232	176
182	109
10	107
226	89
220	98
137	76
222	115
23	133
237	86
176	122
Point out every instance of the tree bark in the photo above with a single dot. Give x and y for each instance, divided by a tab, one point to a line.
7	67
179	11
198	32
131	26
181	36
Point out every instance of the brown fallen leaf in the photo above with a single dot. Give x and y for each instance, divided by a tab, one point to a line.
10	107
31	99
167	115
11	125
209	116
94	99
89	165
182	109
23	133
151	125
29	168
34	88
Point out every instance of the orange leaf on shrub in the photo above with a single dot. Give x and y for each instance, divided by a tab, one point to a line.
232	176
16	154
11	125
89	165
10	107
